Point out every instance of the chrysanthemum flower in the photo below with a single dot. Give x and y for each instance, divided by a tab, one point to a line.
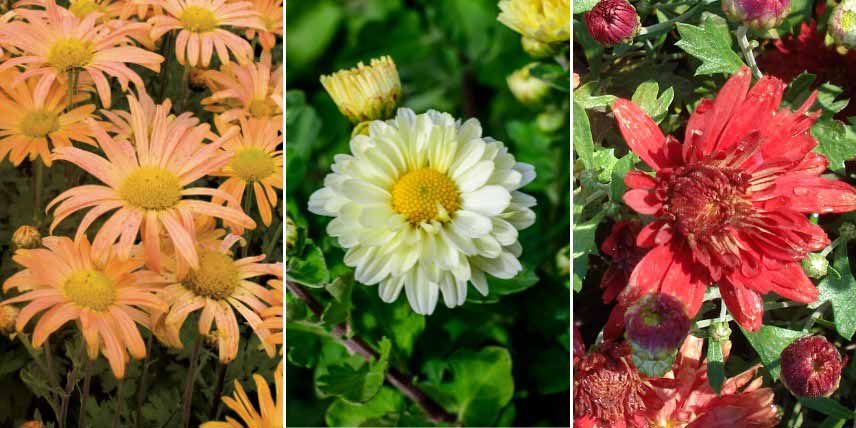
365	93
55	41
728	204
621	247
219	287
609	392
202	29
273	316
548	21
146	181
270	12
121	122
270	410
427	204
106	297
30	119
237	90
690	402
256	161
142	9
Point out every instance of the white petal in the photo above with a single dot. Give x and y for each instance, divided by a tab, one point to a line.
366	193
471	225
475	177
479	281
376	216
503	231
504	267
489	200
390	289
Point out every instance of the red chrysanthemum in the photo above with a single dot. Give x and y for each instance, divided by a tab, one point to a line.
690	402
728	204
794	54
609	392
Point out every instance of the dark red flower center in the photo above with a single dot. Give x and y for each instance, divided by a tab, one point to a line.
607	386
702	200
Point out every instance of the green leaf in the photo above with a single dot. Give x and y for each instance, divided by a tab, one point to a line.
715	365
339	310
344	414
769	342
583	144
470	24
311	27
502	287
839	292
621	168
835	141
356	385
646	97
481	385
711	44
310	269
827	407
584	242
592	50
553	74
581	6
584	96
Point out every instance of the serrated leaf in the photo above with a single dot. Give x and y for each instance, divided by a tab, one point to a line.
583	143
835	141
344	414
715	365
769	342
616	184
710	43
338	311
648	99
828	407
356	385
481	385
584	96
310	269
839	292
584	242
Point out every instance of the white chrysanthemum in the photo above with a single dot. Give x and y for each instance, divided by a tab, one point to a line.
547	21
427	204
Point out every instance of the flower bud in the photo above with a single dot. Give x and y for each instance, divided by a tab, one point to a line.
290	233
535	48
656	325
842	24
27	237
365	92
550	121
719	331
563	261
527	88
197	78
611	22
757	14
811	367
815	265
8	316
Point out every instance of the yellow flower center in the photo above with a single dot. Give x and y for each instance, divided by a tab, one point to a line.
198	19
217	277
253	164
84	7
848	20
38	124
71	53
151	188
262	108
90	289
424	195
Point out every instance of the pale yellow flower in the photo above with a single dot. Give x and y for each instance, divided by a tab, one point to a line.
365	92
547	21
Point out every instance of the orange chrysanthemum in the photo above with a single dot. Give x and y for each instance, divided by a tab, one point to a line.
106	297
201	24
271	15
218	287
252	88
55	42
146	181
273	316
270	410
257	162
29	119
121	121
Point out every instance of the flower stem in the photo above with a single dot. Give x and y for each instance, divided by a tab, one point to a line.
666	26
141	384
38	183
166	47
356	345
218	391
185	87
87	377
248	206
746	48
69	388
188	384
119	401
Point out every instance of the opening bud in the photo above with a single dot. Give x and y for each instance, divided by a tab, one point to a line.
757	14
527	88
811	367
611	22
815	265
842	24
656	326
27	237
365	92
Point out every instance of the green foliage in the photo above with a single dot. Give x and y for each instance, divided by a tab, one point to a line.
647	99
715	364
360	385
711	44
839	292
835	141
769	342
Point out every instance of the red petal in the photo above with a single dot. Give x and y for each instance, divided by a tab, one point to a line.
817	195
695	130
758	107
615	324
643	136
642	201
726	103
647	237
668	269
812	165
639	180
745	305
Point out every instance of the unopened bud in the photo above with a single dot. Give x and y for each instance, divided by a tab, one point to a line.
719	331
563	261
811	367
27	237
535	48
656	326
815	265
365	92
757	14
8	316
290	233
842	24
526	88
550	121
611	22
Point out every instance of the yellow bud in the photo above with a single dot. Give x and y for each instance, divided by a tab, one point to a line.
365	92
527	88
8	315
27	237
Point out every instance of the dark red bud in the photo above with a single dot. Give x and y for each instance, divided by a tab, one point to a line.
611	22
811	367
